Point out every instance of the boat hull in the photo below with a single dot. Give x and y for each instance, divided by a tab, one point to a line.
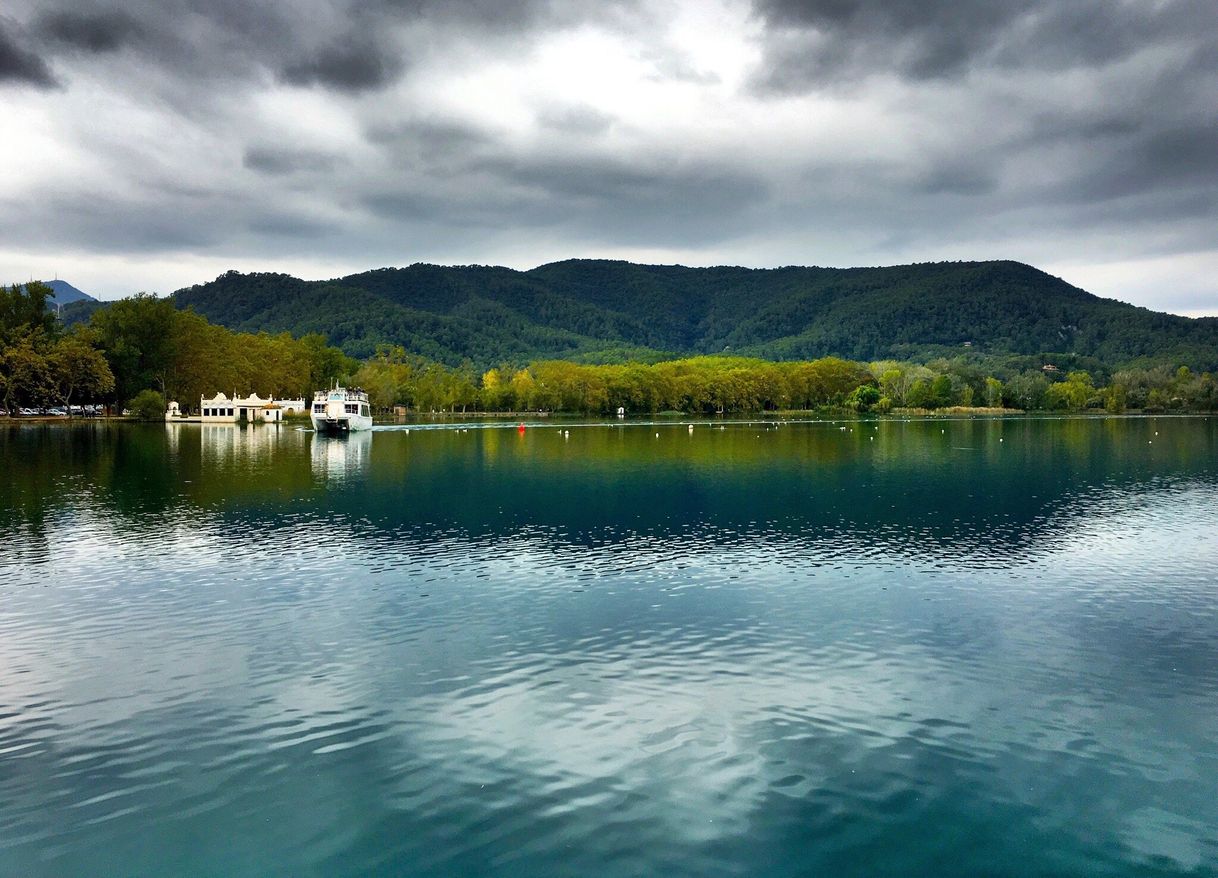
346	424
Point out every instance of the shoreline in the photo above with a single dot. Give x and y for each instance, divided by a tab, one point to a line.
802	415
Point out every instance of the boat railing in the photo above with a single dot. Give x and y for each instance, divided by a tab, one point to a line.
351	394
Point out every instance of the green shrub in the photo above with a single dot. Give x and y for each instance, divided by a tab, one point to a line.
148	405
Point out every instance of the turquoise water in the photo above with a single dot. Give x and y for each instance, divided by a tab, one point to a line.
930	648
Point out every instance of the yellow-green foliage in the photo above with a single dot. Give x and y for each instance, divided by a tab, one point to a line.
738	384
697	384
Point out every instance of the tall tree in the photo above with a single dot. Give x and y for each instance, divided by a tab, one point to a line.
136	335
77	370
23	310
26	374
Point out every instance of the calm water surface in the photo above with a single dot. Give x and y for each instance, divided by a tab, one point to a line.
933	648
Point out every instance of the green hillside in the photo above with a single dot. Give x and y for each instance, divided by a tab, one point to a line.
606	311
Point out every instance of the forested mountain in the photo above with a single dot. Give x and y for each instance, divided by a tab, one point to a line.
594	310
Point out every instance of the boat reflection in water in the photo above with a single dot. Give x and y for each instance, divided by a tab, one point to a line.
342	456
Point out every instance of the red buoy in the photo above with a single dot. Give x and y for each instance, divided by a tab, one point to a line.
520	429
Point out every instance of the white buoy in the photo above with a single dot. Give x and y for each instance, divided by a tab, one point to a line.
657	435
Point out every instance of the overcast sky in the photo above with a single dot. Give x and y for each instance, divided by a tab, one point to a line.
152	144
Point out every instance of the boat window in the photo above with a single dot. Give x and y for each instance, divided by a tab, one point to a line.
320	408
351	408
363	410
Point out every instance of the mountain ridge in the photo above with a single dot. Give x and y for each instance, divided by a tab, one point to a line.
66	294
611	310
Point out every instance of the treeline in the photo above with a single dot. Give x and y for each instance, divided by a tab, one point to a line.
144	344
145	348
698	384
720	384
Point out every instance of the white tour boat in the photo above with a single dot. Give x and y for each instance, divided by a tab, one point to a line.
341	410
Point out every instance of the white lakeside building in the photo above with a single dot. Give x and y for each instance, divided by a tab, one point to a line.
253	409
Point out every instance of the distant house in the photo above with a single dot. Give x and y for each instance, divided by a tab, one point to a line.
1049	367
968	344
250	410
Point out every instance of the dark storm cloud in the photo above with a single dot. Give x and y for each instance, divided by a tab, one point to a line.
352	65
442	148
1125	137
959	178
128	225
349	46
185	45
599	199
427	135
505	18
288	226
810	43
18	63
1183	157
104	30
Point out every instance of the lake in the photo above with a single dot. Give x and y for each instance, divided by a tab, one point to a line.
941	648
